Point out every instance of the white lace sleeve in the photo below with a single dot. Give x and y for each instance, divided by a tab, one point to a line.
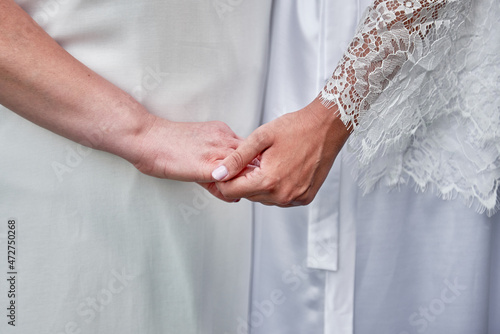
420	88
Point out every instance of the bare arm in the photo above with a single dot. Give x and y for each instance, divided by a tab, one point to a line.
43	83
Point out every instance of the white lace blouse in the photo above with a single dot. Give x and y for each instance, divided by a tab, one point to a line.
420	87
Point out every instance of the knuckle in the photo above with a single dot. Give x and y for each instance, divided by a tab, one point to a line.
306	198
237	160
224	190
284	199
269	184
305	201
296	196
218	124
309	200
261	137
285	196
220	128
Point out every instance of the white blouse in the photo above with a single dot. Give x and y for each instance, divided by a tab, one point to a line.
420	87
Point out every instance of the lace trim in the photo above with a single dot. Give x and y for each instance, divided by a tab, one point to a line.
420	88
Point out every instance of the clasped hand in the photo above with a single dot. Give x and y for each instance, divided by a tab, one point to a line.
295	153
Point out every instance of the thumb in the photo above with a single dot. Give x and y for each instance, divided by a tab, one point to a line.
232	165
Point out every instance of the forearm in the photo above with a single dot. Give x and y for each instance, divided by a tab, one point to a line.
43	83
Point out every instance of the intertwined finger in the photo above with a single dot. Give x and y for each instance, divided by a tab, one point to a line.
240	158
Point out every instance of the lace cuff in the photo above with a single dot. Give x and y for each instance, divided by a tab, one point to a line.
392	32
419	86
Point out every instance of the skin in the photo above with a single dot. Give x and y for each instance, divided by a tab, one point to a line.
43	83
296	152
298	149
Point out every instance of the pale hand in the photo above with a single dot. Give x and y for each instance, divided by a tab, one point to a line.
185	151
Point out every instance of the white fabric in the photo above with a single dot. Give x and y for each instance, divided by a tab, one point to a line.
103	248
340	285
422	265
425	266
323	226
421	78
302	52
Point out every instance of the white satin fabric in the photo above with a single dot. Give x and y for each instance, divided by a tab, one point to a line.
304	252
390	262
101	247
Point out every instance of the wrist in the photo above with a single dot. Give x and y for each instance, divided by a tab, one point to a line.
124	131
328	121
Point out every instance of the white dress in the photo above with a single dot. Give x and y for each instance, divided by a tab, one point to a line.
390	261
102	248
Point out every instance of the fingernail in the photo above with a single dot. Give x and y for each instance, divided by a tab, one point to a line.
220	173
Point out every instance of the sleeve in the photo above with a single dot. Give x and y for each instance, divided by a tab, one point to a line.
419	88
391	33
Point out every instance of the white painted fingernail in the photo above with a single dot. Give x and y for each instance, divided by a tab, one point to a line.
220	173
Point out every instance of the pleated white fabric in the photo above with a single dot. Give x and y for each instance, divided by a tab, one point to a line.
421	264
304	252
101	247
